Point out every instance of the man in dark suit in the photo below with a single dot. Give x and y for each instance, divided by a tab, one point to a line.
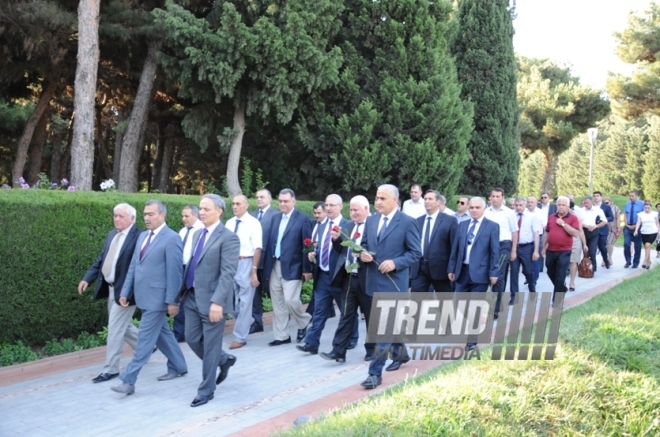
264	214
473	264
320	218
605	230
437	230
286	266
109	271
394	238
154	277
327	273
209	289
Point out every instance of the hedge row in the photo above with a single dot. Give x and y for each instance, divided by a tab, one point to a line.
50	238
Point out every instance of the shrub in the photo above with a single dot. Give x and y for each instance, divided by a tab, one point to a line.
16	353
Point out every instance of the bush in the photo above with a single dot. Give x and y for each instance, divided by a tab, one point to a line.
15	353
50	240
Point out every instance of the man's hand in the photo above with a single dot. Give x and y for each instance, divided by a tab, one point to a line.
560	221
336	234
311	256
591	228
254	281
585	248
307	276
366	257
451	276
215	313
82	286
172	310
543	253
123	301
493	280
387	266
535	256
514	255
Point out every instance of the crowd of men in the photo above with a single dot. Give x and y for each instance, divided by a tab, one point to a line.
209	270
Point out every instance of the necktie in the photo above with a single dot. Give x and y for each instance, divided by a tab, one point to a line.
186	237
325	253
238	222
470	235
519	220
261	214
190	276
427	237
632	214
382	229
280	234
144	249
110	256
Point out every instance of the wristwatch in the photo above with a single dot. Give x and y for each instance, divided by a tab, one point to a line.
563	225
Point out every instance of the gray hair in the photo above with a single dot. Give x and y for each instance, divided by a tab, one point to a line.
161	206
568	201
335	198
242	197
193	210
588	198
288	191
360	200
217	200
520	199
477	198
394	191
125	207
270	196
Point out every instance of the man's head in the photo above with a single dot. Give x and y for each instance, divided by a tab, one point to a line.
415	192
545	198
633	195
154	214
598	197
497	197
211	208
123	215
239	205
386	198
263	198
519	204
531	203
563	204
512	203
432	201
359	209
333	206
287	199
588	202
462	204
319	211
477	207
189	215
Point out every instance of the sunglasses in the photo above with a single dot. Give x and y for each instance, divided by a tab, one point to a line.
607	203
460	202
544	197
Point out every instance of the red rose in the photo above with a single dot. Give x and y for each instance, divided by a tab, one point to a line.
335	229
357	235
308	241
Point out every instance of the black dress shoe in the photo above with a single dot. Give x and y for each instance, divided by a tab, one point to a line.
471	346
301	334
279	342
103	377
495	316
634	266
372	382
224	369
352	345
626	265
369	356
256	328
307	348
333	356
201	400
396	364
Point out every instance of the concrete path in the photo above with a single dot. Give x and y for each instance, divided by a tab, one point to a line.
267	389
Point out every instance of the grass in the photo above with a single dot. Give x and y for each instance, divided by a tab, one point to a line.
605	381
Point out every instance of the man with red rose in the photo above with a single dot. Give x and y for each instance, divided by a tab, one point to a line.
327	282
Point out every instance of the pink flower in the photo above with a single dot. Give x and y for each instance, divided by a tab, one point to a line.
71	188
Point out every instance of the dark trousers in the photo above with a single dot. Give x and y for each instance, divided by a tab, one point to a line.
463	284
524	259
592	238
180	322
602	248
257	302
628	238
557	263
324	294
354	298
505	255
423	282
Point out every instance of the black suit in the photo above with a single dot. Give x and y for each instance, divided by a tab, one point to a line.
432	268
257	305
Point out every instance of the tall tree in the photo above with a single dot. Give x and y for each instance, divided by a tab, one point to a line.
253	58
651	175
82	146
555	109
483	48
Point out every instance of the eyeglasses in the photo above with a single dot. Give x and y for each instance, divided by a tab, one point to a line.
544	197
460	202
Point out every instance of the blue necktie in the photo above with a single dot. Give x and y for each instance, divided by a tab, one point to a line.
382	229
186	237
144	249
190	277
325	253
427	238
238	222
280	234
261	214
470	235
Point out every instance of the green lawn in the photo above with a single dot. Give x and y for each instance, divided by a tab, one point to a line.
605	381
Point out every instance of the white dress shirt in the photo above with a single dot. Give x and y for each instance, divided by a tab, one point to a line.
382	220
529	225
430	223
187	249
469	246
122	237
155	231
588	216
358	228
414	209
249	233
506	218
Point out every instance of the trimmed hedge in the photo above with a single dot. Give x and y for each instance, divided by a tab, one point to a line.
50	240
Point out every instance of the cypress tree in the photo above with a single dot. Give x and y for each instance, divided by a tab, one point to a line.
483	49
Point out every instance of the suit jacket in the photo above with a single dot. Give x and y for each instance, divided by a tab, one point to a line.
266	223
121	268
292	259
400	242
484	255
334	255
216	268
439	248
607	210
155	280
340	273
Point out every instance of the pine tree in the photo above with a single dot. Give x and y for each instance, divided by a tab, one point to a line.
483	47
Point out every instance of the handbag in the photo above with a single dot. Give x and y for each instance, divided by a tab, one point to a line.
585	268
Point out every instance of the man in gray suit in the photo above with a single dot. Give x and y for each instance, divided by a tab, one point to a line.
209	291
155	278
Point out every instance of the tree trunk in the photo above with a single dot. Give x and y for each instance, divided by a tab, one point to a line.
131	147
116	156
233	185
166	159
158	155
550	164
37	147
101	138
49	88
66	153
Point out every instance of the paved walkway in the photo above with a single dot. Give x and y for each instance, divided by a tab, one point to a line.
267	389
